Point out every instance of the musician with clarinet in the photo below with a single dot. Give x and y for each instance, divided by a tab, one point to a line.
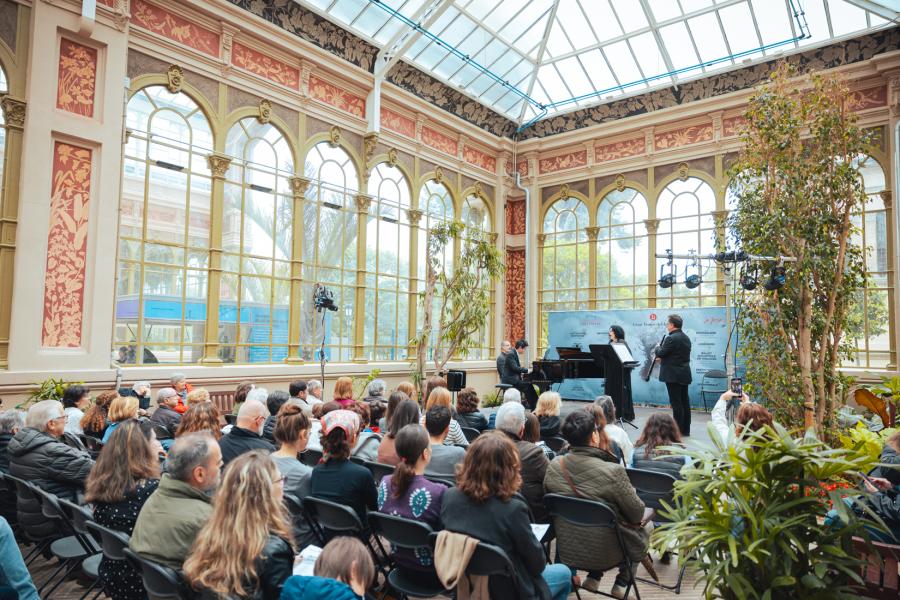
674	356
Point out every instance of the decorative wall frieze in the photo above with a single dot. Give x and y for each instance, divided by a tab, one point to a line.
172	26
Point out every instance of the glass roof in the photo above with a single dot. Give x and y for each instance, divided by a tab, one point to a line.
527	59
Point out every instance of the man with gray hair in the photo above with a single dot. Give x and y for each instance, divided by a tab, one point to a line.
178	381
11	421
173	515
375	391
246	435
510	395
511	421
141	391
314	387
165	416
38	456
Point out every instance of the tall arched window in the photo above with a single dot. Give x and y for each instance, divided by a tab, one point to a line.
685	212
622	250
329	249
870	314
564	260
164	230
436	205
387	265
258	213
476	216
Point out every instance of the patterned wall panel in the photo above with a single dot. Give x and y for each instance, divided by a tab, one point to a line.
514	325
439	141
683	136
732	126
398	123
265	66
8	21
522	167
76	78
67	247
623	149
515	216
476	157
176	28
562	162
337	97
872	97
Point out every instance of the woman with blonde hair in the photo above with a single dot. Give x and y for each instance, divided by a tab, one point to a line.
343	392
408	389
202	416
94	421
120	409
196	396
440	396
244	550
547	412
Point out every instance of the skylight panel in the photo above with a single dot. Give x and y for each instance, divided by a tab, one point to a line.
598	70
479	9
430	55
601	17
630	14
347	11
384	35
475	45
846	18
738	25
370	20
622	63
708	37
447	67
649	57
663	10
575	23
536	11
553	84
574	75
678	45
817	21
479	85
690	6
774	21
557	41
464	76
497	56
457	30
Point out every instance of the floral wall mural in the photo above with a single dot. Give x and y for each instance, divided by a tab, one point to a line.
66	247
515	216
514	325
337	97
623	149
683	136
561	162
265	66
77	78
397	122
439	141
174	27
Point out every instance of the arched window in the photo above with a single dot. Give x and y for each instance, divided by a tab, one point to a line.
476	216
387	265
164	230
258	214
436	205
622	250
685	212
329	249
870	314
564	260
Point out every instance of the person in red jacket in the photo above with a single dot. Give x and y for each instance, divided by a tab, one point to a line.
179	382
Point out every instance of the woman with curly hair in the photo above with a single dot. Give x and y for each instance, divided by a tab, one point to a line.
202	416
484	505
94	421
467	413
660	430
244	550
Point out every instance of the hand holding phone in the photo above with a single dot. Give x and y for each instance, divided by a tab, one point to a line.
737	386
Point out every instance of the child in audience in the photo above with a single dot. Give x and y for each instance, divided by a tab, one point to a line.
343	571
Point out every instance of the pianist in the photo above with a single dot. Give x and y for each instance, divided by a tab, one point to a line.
512	374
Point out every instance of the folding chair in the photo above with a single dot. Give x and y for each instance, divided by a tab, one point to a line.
113	543
70	550
379	470
300	516
593	514
333	518
311	457
25	492
79	517
159	580
490	561
470	432
412	535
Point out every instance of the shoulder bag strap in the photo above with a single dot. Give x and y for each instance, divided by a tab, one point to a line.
565	472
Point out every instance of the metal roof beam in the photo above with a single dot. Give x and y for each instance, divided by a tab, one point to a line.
877	8
397	46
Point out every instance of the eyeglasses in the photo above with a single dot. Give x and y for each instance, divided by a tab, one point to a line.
61	417
279	480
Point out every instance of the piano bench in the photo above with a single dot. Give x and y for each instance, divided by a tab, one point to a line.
502	386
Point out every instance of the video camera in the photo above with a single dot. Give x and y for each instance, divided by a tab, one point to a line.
324	299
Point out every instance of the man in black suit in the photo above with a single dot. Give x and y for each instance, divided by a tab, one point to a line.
674	354
512	375
505	349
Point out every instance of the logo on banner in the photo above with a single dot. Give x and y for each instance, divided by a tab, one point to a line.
652	316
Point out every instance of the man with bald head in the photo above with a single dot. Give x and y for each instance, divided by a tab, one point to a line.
505	347
246	435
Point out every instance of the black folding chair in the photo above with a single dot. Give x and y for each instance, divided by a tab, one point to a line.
159	580
448	480
93	445
358	460
113	543
379	470
593	514
470	432
412	535
300	516
333	518
162	432
79	518
230	419
25	492
490	561
70	550
555	443
311	457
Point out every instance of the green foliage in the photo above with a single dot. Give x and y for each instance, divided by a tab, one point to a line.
889	386
866	443
750	516
797	187
491	399
49	389
361	383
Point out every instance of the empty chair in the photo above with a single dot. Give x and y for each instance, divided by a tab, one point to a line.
336	519
714	383
160	581
653	488
79	517
412	535
70	550
36	534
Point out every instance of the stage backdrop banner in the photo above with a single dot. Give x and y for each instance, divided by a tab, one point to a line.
644	328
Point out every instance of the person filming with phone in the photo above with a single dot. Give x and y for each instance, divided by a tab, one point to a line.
726	408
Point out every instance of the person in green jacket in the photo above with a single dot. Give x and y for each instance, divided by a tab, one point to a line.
173	515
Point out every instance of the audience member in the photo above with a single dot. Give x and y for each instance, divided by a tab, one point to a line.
586	472
121	409
509	395
660	430
532	460
753	417
292	432
37	455
725	411
244	549
141	391
247	432
467	413
125	475
76	398
409	389
298	392
337	478
377	410
203	416
615	433
274	401
314	389
15	580
547	412
367	442
179	383
393	400
405	413
240	395
196	396
343	571
94	422
375	391
11	421
406	493
343	391
170	519
484	505
444	458
532	433
440	396
165	415
609	448
889	467
431	384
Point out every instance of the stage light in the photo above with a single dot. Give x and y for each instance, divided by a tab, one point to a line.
749	279
776	278
666	281
694	279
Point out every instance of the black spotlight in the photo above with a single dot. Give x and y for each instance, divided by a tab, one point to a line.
694	279
666	280
776	278
749	279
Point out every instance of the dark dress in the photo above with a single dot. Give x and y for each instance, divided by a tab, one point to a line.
347	483
120	581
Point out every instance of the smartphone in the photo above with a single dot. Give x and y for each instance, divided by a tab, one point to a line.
737	386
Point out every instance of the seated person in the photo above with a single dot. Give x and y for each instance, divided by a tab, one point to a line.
94	422
173	515
532	433
343	571
547	412
375	391
532	460
467	413
405	413
11	421
165	415
616	434
246	435
753	417
76	398
197	396
484	505
586	472
337	478
444	458
510	395
121	409
725	411
367	441
611	450
408	494
660	430
440	396
343	392
274	401
890	457
292	433
178	381
244	549
200	416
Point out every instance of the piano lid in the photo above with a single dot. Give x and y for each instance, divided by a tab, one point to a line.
570	353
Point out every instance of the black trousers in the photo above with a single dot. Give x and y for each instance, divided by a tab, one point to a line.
681	406
529	396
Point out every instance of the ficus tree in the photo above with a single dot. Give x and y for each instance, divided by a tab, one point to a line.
797	188
454	303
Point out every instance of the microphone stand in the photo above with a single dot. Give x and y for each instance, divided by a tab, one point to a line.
322	359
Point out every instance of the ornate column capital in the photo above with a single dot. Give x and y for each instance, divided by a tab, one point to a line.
414	215
370	141
174	79
541	238
652	225
218	164
362	202
592	233
719	217
299	185
887	198
13	111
